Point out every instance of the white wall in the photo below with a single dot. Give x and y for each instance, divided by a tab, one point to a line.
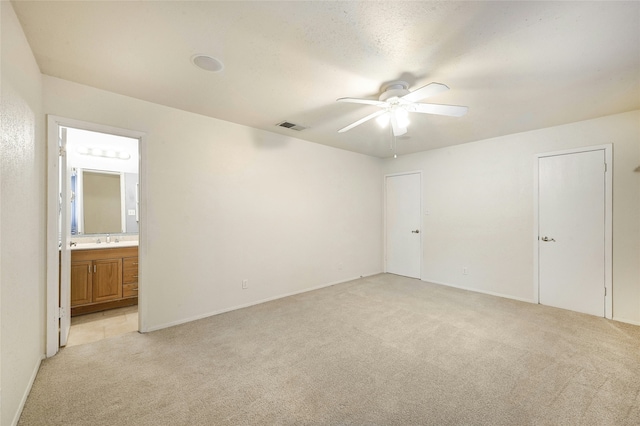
22	218
480	199
227	202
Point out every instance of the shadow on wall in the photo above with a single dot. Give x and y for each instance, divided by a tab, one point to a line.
267	140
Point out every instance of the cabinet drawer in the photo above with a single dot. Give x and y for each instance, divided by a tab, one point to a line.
129	290
130	262
130	276
130	269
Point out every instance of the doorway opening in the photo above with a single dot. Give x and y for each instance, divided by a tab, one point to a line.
93	327
94	224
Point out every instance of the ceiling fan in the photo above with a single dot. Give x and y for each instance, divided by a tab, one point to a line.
396	102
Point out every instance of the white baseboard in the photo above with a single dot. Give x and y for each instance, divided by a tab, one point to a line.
475	290
246	305
506	296
627	321
23	401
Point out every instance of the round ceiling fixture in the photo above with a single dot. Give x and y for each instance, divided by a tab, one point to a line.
207	63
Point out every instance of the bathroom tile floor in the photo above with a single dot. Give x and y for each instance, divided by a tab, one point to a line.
100	325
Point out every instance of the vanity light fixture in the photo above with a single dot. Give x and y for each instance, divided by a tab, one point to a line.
106	153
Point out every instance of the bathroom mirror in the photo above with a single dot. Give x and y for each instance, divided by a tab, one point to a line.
101	203
104	202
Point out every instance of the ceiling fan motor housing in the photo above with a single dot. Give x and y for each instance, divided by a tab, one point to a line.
394	89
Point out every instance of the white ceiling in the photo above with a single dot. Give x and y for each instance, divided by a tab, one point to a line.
517	65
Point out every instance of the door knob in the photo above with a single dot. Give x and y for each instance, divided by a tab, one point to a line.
548	239
417	231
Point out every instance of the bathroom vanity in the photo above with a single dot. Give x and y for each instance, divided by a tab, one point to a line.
103	277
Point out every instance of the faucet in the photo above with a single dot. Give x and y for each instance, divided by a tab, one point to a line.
98	242
108	238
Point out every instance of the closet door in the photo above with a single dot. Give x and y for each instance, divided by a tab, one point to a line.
571	241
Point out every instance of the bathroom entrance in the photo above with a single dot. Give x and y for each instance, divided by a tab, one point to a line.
94	223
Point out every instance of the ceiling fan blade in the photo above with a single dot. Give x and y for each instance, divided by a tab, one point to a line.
397	129
425	92
362	120
363	101
450	110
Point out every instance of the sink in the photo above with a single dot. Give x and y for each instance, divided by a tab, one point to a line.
103	245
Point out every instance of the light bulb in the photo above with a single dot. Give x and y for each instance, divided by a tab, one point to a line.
123	156
383	120
402	117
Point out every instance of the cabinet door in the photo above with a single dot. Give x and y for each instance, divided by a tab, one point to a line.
107	279
81	288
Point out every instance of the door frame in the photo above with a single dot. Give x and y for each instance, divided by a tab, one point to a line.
384	239
608	221
53	189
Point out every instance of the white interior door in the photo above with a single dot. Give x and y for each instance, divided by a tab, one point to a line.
571	231
65	240
403	225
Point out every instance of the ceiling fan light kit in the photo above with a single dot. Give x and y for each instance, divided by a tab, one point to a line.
396	102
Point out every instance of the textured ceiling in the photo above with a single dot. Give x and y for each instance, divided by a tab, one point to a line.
518	66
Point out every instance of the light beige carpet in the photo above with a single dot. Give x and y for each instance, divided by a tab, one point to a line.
383	350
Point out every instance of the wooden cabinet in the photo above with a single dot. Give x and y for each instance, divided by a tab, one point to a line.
130	277
103	279
81	288
107	279
95	281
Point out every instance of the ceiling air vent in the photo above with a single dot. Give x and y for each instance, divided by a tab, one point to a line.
291	126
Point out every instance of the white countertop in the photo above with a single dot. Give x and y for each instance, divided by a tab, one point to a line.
103	245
